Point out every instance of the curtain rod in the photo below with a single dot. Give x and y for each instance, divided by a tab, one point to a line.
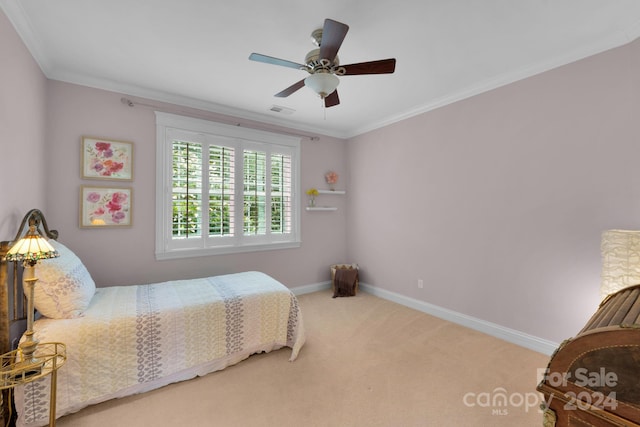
129	103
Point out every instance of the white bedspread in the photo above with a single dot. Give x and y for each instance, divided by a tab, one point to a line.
134	339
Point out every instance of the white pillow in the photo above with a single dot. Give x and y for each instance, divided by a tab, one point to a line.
64	288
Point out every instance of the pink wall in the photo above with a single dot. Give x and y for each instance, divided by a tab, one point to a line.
497	202
126	256
22	125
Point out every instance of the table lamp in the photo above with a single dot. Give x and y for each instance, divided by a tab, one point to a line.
29	249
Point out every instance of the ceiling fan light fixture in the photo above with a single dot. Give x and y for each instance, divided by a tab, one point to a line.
322	83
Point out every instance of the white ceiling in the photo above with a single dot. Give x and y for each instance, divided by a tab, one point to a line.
195	52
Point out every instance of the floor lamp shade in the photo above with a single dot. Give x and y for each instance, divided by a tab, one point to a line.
620	260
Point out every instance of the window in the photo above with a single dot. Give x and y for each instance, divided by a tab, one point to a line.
224	189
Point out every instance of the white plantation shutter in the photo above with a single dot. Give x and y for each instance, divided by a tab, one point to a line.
186	192
281	189
255	192
224	189
221	191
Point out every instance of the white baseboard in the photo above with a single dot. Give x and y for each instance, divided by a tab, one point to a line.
510	335
314	287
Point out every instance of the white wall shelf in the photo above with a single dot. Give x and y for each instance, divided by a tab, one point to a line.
326	208
332	192
321	208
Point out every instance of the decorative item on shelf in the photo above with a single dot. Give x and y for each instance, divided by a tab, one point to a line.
620	260
312	193
29	249
332	179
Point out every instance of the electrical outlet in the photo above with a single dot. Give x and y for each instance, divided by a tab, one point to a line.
420	284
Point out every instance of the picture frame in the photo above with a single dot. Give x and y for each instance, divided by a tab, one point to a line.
106	159
102	207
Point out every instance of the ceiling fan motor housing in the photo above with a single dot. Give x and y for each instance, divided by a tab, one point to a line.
316	37
316	64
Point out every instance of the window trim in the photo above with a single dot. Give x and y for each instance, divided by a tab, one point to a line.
166	124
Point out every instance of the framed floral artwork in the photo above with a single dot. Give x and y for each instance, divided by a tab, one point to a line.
107	159
105	207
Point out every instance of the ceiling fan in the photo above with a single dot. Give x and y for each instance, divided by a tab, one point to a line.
323	65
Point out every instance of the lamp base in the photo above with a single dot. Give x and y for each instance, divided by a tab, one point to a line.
29	364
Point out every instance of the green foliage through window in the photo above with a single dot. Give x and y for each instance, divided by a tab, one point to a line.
187	189
262	186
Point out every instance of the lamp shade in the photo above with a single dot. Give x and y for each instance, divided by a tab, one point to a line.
620	260
31	248
322	83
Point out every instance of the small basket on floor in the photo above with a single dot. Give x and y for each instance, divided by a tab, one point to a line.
344	280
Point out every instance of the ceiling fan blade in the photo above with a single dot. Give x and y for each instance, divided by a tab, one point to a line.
333	33
332	99
383	66
275	61
288	91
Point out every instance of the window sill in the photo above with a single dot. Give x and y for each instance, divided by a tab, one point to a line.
194	253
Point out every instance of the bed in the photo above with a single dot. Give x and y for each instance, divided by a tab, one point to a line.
123	340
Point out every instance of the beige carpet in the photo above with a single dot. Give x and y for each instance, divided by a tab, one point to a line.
367	362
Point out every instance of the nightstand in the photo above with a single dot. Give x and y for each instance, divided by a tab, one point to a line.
50	357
